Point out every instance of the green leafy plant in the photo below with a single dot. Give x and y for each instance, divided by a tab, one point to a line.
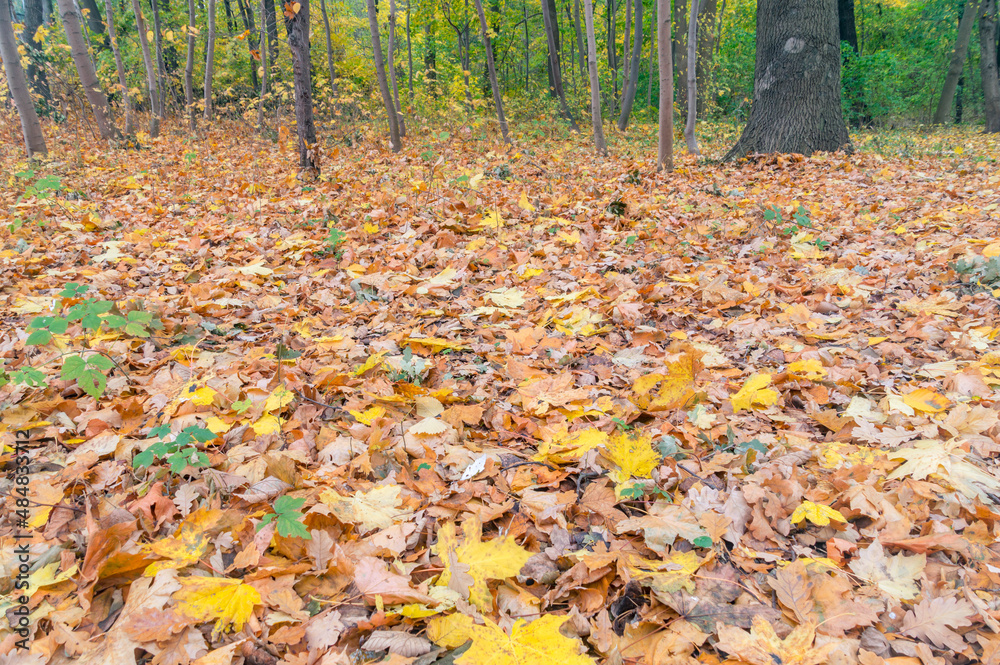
179	452
800	220
288	518
411	368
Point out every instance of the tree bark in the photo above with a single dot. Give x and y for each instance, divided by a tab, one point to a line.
409	51
652	52
625	46
120	68
550	29
271	21
400	121
796	101
17	84
383	83
161	68
632	83
846	21
957	63
707	10
551	26
92	15
85	69
297	28
612	19
492	72
329	49
988	65
230	19
250	25
579	38
430	57
665	143
692	81
209	60
679	43
527	52
189	69
595	82
265	68
147	59
34	17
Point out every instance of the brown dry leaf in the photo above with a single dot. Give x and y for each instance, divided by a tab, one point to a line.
933	619
761	646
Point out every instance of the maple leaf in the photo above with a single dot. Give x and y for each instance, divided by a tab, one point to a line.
569	447
539	395
495	559
929	620
229	602
754	393
378	508
535	643
929	457
895	575
816	513
677	383
189	543
665	523
926	401
634	456
811	369
374	579
761	646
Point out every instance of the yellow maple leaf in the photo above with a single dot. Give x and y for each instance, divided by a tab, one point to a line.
524	204
506	297
202	396
379	508
633	454
369	415
228	601
754	392
571	447
267	424
372	362
762	646
808	369
450	631
279	397
816	513
677	383
926	400
188	544
495	559
535	643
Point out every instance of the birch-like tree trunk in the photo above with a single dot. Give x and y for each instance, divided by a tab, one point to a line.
209	60
17	83
665	143
692	81
595	82
160	67
557	80
329	50
85	69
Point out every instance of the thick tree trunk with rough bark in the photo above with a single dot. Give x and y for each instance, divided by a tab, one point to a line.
383	83
957	63
492	72
665	143
17	84
796	99
632	82
85	68
34	17
988	65
329	50
297	28
151	82
189	70
209	60
120	68
550	33
846	21
692	81
595	82
400	121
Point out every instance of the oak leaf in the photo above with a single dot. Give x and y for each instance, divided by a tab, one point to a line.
929	620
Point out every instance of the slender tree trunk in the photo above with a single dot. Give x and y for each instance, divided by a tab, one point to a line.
527	52
845	19
92	16
491	70
400	122
796	100
189	70
147	59
250	25
580	48
595	82
85	68
297	28
626	63
265	69
550	28
161	68
430	57
652	52
692	81
679	43
957	62
988	65
271	20
707	10
632	83
120	67
665	147
209	60
612	17
34	17
17	84
383	83
230	19
409	51
329	49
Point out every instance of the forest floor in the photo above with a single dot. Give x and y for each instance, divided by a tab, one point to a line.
469	404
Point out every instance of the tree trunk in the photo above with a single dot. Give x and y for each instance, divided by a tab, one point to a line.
550	32
595	82
329	49
34	17
400	121
491	70
527	52
692	81
551	26
271	21
161	68
230	19
409	52
707	10
988	65
92	15
383	83
147	59
265	68
297	28
85	68
209	60
250	25
957	62
120	67
189	69
430	57
848	27
665	143
652	51
17	84
612	18
632	83
579	38
625	46
796	100
679	44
